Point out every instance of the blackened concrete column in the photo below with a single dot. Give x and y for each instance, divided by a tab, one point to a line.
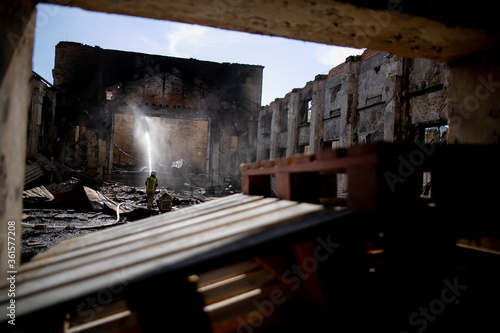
275	127
36	118
349	95
293	123
261	141
392	93
317	116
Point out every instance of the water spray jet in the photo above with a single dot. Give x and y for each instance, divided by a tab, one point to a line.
146	134
145	125
145	128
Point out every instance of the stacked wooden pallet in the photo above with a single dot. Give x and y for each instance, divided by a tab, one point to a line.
81	280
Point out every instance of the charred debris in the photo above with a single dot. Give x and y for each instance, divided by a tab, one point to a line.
60	203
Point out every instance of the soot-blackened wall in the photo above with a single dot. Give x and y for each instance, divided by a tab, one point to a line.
210	105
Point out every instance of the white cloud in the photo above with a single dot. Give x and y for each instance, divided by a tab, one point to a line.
333	55
187	40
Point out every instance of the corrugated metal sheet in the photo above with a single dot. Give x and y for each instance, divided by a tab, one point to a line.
33	172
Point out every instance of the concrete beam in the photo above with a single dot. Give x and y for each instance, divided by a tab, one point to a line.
432	31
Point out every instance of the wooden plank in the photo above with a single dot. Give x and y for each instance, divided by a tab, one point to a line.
53	289
242	284
340	165
241	307
125	321
170	233
114	246
226	272
478	248
143	225
38	192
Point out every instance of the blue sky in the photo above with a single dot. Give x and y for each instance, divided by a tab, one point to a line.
287	63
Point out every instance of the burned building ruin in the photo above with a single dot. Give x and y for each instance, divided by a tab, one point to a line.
275	258
196	112
102	101
373	97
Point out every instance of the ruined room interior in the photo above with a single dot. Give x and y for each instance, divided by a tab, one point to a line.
334	228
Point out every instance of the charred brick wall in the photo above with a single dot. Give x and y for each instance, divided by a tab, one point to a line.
95	85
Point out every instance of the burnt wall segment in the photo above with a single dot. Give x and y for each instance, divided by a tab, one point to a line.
95	84
376	96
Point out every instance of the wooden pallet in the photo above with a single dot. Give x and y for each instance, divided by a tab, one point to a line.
151	260
381	177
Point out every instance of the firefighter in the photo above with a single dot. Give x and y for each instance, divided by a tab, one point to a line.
151	184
